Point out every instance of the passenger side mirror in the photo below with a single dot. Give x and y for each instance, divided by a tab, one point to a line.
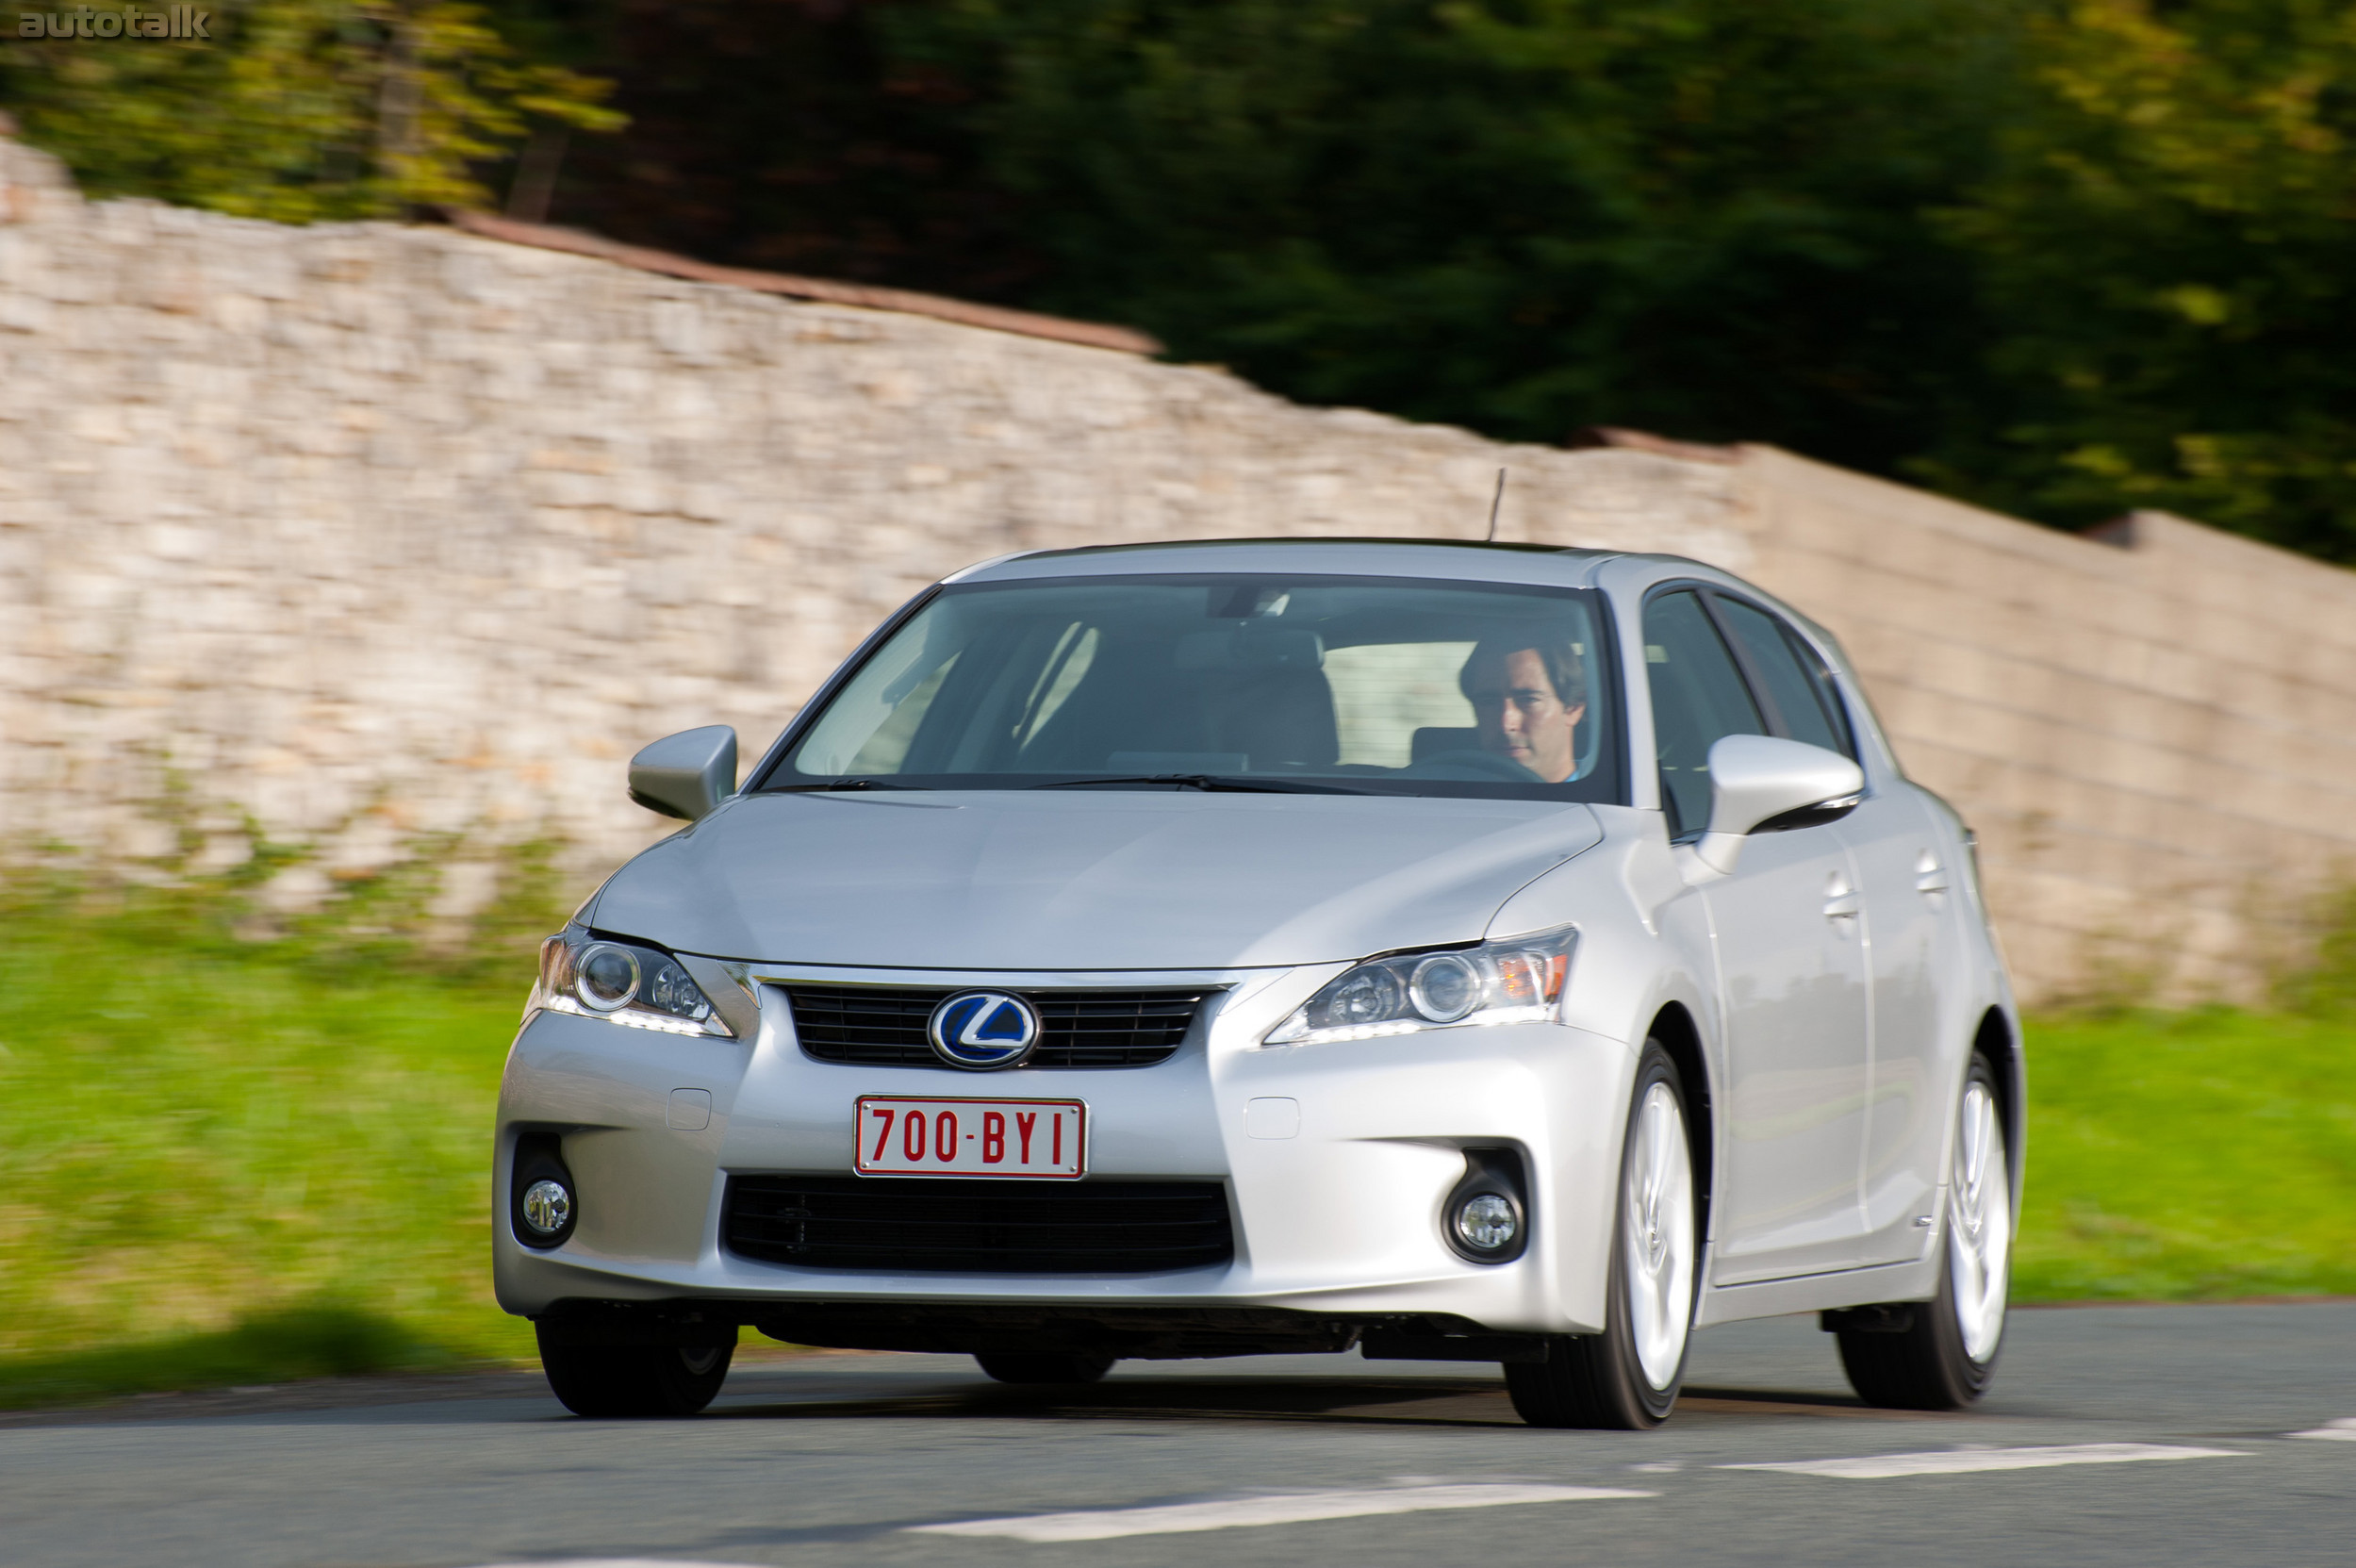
686	774
1761	784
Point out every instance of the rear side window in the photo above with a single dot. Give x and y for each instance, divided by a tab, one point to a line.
1698	697
1799	687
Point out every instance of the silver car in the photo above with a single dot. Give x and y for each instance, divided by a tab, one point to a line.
1450	953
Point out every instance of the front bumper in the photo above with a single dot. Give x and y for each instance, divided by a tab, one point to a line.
1340	1220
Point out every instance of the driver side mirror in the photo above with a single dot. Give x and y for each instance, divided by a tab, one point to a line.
1761	784
686	774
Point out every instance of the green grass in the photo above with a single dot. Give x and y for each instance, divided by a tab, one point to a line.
231	1163
2190	1156
220	1163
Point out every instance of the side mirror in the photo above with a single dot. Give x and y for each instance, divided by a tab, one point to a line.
1762	785
686	774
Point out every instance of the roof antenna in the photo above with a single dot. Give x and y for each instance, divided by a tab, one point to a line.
1495	502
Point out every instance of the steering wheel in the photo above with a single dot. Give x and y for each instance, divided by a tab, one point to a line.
1472	767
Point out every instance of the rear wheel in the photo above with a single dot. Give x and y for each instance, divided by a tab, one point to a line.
1064	1367
1627	1377
1940	1354
634	1381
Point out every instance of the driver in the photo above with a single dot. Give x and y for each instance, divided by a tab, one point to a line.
1528	694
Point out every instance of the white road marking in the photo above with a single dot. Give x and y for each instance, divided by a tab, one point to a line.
1291	1508
1958	1462
2342	1430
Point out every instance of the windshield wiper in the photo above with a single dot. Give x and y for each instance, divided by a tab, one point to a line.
1210	782
861	783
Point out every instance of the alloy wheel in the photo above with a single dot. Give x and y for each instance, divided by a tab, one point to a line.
1980	1224
1659	1237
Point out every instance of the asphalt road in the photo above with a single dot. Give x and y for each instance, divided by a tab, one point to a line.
2138	1436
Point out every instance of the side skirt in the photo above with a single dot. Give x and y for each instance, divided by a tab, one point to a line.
1816	1293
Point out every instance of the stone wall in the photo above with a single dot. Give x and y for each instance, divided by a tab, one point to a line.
367	531
2153	730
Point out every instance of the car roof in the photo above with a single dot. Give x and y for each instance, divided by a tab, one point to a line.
1452	559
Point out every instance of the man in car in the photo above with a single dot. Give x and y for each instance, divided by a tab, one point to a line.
1528	694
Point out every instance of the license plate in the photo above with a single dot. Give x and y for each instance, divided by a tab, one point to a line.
1045	1139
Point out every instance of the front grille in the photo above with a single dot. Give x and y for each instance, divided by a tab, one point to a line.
879	1025
981	1227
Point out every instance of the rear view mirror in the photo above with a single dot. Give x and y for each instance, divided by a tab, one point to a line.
686	774
1762	785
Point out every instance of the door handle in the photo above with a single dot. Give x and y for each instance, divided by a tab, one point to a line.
1929	875
1840	900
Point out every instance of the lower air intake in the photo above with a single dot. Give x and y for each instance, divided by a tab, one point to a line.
984	1227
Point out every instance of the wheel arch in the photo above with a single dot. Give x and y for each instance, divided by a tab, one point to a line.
1681	1037
1998	1041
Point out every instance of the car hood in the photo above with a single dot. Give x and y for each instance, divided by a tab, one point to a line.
1084	878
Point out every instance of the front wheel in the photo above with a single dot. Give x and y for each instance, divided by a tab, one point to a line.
1627	1377
634	1381
1940	1354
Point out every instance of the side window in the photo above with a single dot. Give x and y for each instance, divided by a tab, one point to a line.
1698	696
1800	689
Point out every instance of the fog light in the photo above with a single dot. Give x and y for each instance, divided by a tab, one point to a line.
1488	1222
547	1206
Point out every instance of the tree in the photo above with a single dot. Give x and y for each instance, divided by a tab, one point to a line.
300	109
2062	256
2165	249
1700	216
791	134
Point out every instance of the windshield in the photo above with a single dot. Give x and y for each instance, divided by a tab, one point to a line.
1357	684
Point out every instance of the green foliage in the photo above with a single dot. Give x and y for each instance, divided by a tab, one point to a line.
1694	215
298	110
2182	1156
276	1346
2162	251
252	1151
2326	987
789	134
240	1144
2066	257
2209	1153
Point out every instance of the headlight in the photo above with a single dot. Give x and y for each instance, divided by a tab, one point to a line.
644	988
1512	981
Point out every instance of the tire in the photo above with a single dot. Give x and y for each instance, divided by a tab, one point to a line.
634	1381
1940	1354
1065	1368
1626	1377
